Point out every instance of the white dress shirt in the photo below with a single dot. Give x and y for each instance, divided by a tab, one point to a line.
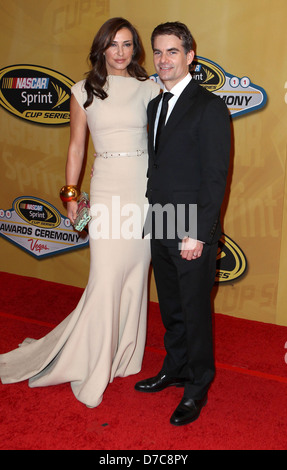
176	91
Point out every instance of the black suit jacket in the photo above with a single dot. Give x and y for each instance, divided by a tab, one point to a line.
192	161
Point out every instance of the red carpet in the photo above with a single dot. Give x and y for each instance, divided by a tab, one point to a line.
247	401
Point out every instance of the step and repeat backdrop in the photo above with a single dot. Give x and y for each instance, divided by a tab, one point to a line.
241	55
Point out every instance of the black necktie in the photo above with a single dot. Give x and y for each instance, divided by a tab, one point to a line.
162	117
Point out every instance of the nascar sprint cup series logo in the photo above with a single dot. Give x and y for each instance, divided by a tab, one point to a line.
38	228
240	95
36	94
231	263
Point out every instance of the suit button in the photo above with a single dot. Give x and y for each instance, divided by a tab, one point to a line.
155	165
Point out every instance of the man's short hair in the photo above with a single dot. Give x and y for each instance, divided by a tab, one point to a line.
177	29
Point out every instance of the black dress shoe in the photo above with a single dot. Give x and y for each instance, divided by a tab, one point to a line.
187	411
158	383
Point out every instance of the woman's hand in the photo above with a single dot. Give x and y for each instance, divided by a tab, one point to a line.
72	211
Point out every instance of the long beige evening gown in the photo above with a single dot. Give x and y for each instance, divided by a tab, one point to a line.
104	337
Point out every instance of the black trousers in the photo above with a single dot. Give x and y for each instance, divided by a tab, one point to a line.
184	289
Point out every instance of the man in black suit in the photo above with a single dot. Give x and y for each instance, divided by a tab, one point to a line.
188	166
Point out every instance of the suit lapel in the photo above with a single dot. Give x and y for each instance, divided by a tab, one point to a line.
181	107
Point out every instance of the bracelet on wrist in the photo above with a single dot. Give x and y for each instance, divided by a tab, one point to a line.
69	193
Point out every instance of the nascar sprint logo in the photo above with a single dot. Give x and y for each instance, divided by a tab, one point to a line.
37	212
36	94
231	263
239	94
38	228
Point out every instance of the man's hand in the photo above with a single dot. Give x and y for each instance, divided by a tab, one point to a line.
191	249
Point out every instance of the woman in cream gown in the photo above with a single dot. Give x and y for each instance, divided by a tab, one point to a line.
104	337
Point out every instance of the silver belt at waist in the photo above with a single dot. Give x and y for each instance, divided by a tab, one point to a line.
137	153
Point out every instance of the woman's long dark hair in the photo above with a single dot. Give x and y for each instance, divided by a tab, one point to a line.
97	76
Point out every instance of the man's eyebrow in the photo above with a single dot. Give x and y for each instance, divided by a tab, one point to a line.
168	50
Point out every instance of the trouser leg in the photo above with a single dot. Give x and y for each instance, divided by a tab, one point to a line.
184	289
